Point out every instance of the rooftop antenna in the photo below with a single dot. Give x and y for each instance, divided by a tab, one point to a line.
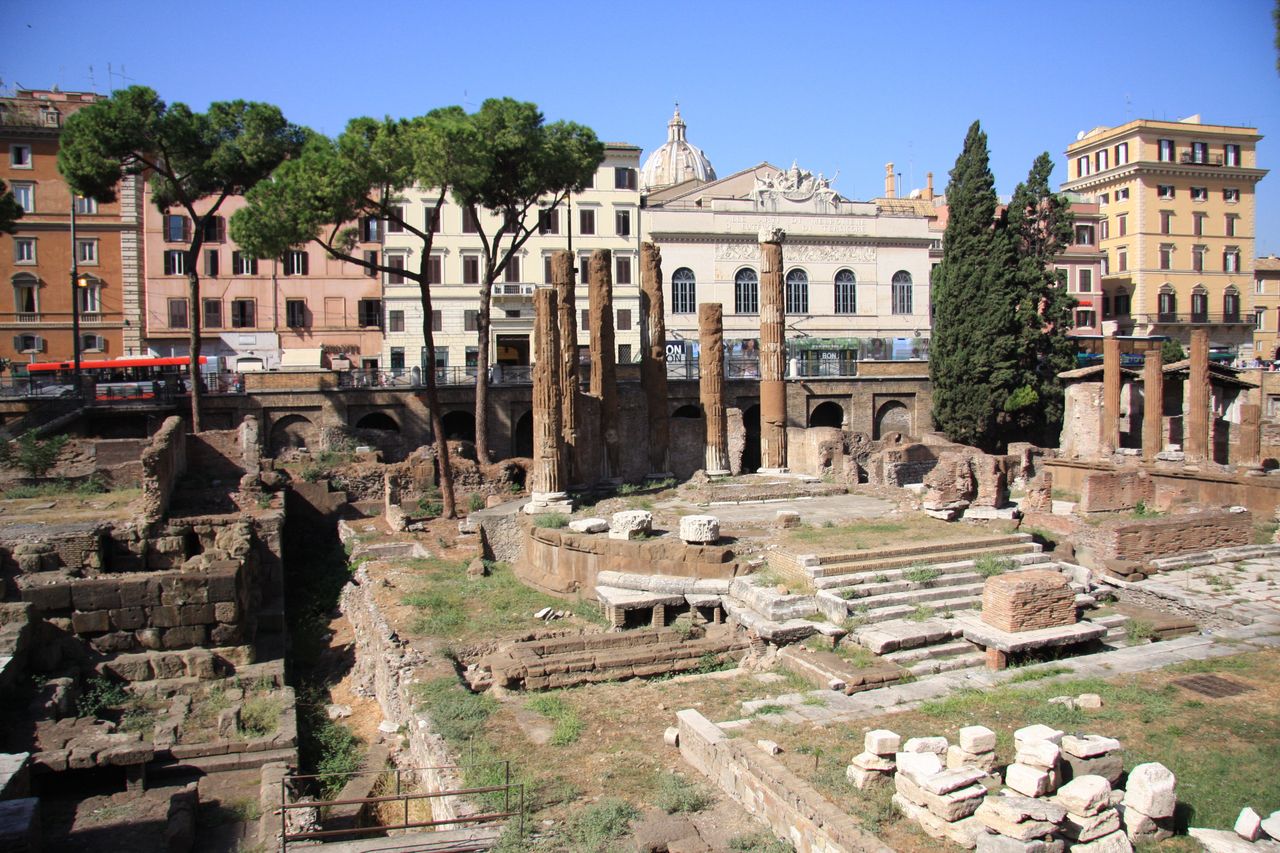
93	83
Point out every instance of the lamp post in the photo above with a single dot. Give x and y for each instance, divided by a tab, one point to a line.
75	297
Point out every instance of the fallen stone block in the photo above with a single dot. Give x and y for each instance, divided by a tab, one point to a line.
1038	753
1084	828
1116	842
1005	844
862	778
951	780
1226	841
977	739
1143	828
1027	780
1248	824
950	807
1109	766
926	744
1151	789
631	524
589	525
699	529
1034	733
871	761
957	757
964	832
1023	818
918	763
671	737
770	747
1085	795
1271	825
1089	701
1088	746
881	742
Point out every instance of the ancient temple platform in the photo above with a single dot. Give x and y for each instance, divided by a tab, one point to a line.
988	636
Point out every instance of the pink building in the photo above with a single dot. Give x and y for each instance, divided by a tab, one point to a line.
305	308
1097	310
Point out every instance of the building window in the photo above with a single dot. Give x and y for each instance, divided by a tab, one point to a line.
546	269
1199	152
211	263
1122	195
92	343
746	292
1166	150
295	312
622	222
624	320
90	297
470	222
1085	318
214	229
586	222
243	313
243	264
902	292
176	228
549	221
1231	306
175	262
1104	199
684	292
1197	258
1231	155
1122	260
1231	259
624	353
371	259
1230	227
470	320
1084	235
1122	302
1199	193
26	294
86	206
512	272
1100	160
396	264
1230	195
797	292
1122	153
1197	224
395	219
1106	266
585	323
590	182
1166	192
1167	305
1082	166
370	229
1259	286
435	269
1122	225
1166	256
1104	229
178	314
395	321
624	178
24	195
24	250
1260	319
437	321
1086	281
212	311
296	262
433	218
846	292
369	313
28	343
1199	305
470	269
1166	222
20	156
397	358
622	269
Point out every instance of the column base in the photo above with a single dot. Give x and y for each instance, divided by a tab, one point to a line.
549	502
783	470
719	475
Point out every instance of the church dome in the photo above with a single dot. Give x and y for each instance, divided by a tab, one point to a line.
676	161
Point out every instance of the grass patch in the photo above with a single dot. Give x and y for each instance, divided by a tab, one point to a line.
98	695
61	488
458	714
677	794
553	520
920	613
260	715
554	707
1141	510
989	565
760	842
771	708
877	533
1137	630
1264	532
921	574
598	828
1037	674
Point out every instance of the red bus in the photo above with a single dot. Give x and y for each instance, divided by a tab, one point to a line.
136	378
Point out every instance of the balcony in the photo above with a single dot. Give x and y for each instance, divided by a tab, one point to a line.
513	291
27	317
1188	158
1195	318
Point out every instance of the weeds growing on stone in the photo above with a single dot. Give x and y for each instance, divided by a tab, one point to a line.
989	565
771	708
98	695
554	520
921	573
1137	630
920	613
760	842
475	502
1038	674
260	715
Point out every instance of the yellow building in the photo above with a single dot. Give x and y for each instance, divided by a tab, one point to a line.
1177	199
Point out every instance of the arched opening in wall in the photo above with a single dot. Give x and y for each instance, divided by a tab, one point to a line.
292	431
751	444
459	426
522	440
894	416
828	414
689	411
378	420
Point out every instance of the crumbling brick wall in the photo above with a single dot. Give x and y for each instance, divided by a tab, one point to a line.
1143	540
163	461
1108	491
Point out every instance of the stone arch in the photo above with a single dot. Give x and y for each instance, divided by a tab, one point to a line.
522	436
292	431
378	420
893	416
459	425
687	411
827	414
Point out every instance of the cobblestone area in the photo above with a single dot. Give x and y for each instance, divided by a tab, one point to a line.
1241	591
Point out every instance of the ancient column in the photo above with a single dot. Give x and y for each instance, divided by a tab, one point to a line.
547	486
1110	423
563	279
773	354
604	369
653	364
711	387
1197	414
1249	442
1152	404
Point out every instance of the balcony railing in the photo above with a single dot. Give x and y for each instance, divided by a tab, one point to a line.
27	317
1188	158
1195	318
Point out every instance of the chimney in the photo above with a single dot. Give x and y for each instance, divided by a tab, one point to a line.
928	186
888	181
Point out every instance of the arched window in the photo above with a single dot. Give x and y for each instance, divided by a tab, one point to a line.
746	292
846	292
1199	305
797	292
902	292
684	292
26	294
1168	305
1231	306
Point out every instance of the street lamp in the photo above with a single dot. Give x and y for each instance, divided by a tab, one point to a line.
77	282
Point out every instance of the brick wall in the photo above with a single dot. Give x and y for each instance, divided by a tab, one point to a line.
163	461
1028	601
1143	540
1108	491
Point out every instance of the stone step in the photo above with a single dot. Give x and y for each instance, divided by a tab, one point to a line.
861	592
912	597
1029	560
898	634
882	563
969	660
938	606
919	654
923	549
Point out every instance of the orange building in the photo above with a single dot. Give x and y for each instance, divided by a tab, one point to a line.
36	308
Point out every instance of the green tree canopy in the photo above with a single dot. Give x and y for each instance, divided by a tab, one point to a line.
10	210
188	157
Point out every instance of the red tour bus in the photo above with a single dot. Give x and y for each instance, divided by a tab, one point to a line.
138	378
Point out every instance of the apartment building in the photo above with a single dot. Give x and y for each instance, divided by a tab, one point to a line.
1177	226
605	215
36	310
1081	265
1266	307
304	309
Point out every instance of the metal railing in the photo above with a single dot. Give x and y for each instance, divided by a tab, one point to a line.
499	374
1195	318
507	789
1189	158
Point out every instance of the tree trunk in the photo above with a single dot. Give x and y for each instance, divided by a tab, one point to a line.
482	366
443	465
193	317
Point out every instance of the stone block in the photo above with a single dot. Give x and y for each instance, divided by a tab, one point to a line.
952	806
47	598
1083	828
1036	732
129	667
631	524
185	636
1005	844
699	529
128	618
1038	753
195	614
1141	828
1089	701
1021	818
964	832
785	519
114	641
975	739
1027	780
1116	842
95	622
1248	824
1271	825
881	742
166	616
1088	746
957	757
926	744
226	611
1109	766
1151	789
95	594
589	525
863	779
919	763
951	780
871	761
1085	795
671	737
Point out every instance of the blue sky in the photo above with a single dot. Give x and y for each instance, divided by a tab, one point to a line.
838	86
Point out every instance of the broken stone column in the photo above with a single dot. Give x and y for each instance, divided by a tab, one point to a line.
547	486
1197	415
1110	428
773	354
711	387
604	368
1249	444
1152	404
653	364
567	322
